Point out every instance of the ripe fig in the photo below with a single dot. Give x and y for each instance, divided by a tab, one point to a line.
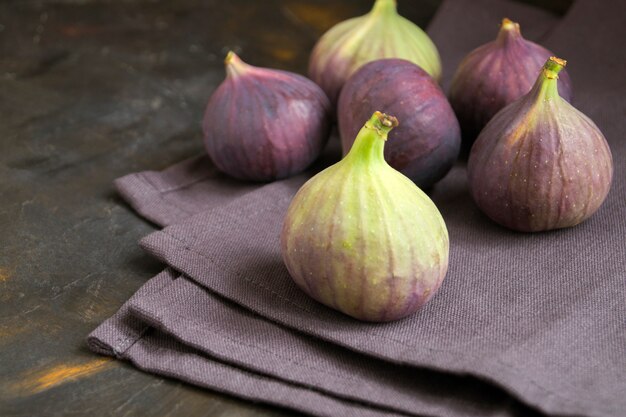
381	33
540	164
362	238
494	75
263	124
426	144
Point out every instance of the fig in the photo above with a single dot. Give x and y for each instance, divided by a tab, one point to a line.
495	75
263	124
362	238
540	164
426	144
381	33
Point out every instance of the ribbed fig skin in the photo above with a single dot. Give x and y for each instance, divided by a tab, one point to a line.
361	238
426	143
382	33
494	75
540	164
262	124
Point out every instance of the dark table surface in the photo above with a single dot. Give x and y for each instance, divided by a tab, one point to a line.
92	90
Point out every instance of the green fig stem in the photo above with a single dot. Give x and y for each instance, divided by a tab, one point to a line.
553	66
234	65
384	7
509	30
547	81
369	144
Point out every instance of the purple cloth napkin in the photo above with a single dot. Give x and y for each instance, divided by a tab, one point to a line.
126	336
539	315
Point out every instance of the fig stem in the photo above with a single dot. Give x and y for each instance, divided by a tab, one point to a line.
546	86
369	144
234	65
553	66
508	24
382	123
508	30
384	6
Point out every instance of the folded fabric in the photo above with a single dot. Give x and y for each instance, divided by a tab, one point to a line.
260	345
526	312
125	336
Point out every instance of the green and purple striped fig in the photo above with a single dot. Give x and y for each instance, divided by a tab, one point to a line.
362	238
426	144
263	124
540	164
381	33
495	75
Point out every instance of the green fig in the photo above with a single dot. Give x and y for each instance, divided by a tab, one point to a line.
362	238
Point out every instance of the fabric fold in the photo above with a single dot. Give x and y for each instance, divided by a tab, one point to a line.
259	345
128	337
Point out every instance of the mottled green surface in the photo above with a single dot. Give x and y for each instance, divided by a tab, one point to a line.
363	250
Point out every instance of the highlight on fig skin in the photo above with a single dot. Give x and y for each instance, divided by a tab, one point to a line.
540	164
495	75
263	124
361	238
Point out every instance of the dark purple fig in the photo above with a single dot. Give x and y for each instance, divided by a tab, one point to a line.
381	33
540	164
263	124
426	144
494	75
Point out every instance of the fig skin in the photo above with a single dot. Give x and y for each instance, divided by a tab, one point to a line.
381	33
540	164
427	142
263	124
495	75
362	238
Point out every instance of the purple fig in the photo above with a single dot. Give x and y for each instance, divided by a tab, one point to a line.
263	124
362	238
540	164
427	142
494	75
381	33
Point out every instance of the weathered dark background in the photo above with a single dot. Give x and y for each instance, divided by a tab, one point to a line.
91	90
